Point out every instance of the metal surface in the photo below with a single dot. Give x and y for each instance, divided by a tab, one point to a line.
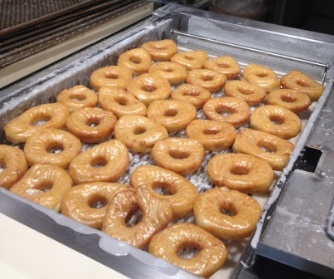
43	87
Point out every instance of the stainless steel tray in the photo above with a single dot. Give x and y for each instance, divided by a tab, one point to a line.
283	49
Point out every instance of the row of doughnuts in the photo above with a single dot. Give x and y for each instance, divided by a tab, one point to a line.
108	109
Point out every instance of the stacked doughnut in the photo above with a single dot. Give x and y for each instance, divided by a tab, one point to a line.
182	114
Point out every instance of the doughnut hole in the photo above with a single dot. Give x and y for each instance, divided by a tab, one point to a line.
135	59
288	98
139	130
121	101
99	162
188	250
225	111
97	202
40	120
93	122
245	91
276	119
54	147
240	169
207	77
211	131
149	88
189	57
228	209
111	75
178	154
40	188
77	96
133	217
164	189
267	147
170	113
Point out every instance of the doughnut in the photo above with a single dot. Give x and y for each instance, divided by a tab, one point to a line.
227	214
174	115
44	184
303	84
87	203
13	165
193	59
52	146
139	133
228	109
262	76
104	162
252	94
148	88
276	120
161	50
241	172
174	72
91	125
181	155
210	252
113	76
120	102
52	115
272	149
137	60
214	135
156	214
177	190
208	79
226	65
193	94
290	99
77	97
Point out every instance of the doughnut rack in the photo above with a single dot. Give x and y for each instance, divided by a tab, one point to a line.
37	33
296	227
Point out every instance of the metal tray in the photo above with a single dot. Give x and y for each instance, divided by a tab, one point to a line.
283	49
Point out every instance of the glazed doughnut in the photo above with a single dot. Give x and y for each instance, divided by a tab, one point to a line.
113	76
290	99
174	72
120	102
77	97
161	50
139	133
303	84
210	255
44	184
181	193
276	120
261	76
156	214
252	94
228	109
241	172
52	115
13	165
91	125
193	94
148	88
87	203
181	155
137	60
52	146
193	59
226	65
273	149
174	115
214	135
239	221
208	79
104	162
